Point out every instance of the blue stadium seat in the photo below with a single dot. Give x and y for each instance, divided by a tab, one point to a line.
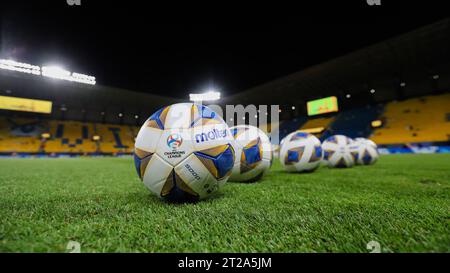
116	134
355	122
59	131
290	126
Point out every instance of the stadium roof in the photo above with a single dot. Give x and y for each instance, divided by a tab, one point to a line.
411	58
127	48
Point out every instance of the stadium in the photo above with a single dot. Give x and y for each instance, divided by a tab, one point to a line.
68	177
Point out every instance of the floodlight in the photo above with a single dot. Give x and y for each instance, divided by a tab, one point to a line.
19	67
376	123
207	96
55	72
45	135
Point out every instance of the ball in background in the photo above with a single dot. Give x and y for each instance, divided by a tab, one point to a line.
253	153
366	151
301	152
366	141
184	152
337	151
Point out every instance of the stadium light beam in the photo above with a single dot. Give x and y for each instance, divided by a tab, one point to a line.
207	96
46	71
57	72
19	67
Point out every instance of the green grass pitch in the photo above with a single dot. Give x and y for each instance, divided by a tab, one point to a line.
402	202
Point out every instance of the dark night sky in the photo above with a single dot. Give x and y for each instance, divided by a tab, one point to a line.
142	50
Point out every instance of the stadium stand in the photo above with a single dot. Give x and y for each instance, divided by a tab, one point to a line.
288	126
69	137
312	125
422	119
72	137
116	138
19	135
418	120
354	122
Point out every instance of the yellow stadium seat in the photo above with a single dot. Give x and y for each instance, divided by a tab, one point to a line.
313	125
72	137
421	119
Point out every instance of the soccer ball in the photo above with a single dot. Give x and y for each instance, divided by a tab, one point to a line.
366	141
338	153
367	152
282	141
253	153
184	152
301	152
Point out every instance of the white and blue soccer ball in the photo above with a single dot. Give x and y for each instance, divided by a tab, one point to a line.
338	152
300	152
366	151
366	141
253	153
184	152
